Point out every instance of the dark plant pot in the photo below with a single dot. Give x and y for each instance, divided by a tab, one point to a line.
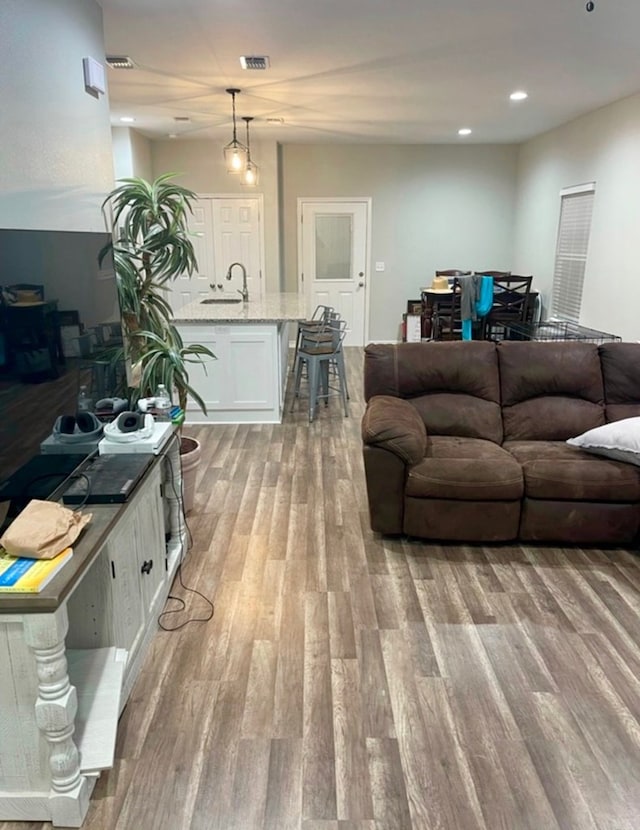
189	460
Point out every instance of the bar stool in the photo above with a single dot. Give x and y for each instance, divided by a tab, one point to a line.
321	354
322	332
319	318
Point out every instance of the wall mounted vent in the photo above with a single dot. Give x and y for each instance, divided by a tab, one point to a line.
254	62
181	118
120	62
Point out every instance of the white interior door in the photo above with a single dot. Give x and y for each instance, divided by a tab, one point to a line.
185	289
225	230
237	237
334	255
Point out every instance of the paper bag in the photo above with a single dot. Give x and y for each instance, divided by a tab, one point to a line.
43	529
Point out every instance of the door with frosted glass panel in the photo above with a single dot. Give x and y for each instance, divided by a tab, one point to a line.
333	259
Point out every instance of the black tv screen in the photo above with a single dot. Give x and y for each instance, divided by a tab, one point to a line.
38	384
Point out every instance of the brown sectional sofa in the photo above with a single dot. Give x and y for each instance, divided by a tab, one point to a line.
465	441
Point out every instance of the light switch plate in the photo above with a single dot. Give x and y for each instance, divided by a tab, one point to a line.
379	266
93	75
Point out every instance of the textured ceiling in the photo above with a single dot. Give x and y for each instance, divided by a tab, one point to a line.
372	71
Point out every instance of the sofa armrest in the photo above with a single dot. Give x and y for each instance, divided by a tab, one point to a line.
395	424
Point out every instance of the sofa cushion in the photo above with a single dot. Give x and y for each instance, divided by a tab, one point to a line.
550	418
465	469
621	375
550	391
454	385
554	470
460	415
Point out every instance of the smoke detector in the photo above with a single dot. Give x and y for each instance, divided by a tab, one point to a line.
120	62
254	62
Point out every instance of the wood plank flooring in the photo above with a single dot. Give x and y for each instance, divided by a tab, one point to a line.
350	682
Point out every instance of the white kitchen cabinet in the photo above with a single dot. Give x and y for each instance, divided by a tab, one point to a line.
247	381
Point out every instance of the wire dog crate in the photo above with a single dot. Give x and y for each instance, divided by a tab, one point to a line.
558	330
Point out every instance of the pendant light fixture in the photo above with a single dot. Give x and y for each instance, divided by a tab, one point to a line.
235	153
250	175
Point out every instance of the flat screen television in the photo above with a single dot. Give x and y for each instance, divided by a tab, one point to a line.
37	384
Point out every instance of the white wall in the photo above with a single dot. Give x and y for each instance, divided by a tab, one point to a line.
200	167
141	159
131	154
434	207
55	137
603	146
121	147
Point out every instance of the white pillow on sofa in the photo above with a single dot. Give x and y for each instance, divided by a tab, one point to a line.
619	440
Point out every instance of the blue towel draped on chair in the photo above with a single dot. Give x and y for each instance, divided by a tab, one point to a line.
476	300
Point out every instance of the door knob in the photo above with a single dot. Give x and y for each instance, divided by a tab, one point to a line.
361	284
361	274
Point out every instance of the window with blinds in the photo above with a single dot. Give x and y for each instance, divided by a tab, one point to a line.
576	207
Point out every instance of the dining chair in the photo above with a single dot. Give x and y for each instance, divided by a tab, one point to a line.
511	295
493	273
446	320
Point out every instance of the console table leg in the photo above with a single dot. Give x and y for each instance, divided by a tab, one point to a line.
173	495
55	712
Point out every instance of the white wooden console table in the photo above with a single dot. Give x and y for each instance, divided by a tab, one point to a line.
70	654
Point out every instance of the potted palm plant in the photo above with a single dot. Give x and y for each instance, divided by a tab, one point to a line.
151	246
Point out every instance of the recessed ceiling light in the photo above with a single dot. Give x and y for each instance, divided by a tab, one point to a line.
127	119
173	135
519	95
464	131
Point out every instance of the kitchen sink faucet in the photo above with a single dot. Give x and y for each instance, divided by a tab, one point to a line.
245	291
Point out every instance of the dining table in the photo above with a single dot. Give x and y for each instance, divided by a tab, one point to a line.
435	300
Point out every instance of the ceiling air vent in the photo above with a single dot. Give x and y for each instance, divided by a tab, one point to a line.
120	62
254	62
181	118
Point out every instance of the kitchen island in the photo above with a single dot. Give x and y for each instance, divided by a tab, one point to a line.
247	381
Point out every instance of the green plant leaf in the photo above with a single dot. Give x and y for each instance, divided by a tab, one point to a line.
151	245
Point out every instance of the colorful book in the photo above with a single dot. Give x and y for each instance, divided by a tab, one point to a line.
23	575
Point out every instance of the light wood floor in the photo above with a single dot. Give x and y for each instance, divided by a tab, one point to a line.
351	682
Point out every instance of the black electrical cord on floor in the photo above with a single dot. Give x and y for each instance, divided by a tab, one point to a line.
183	605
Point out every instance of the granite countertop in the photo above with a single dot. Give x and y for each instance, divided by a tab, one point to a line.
271	308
